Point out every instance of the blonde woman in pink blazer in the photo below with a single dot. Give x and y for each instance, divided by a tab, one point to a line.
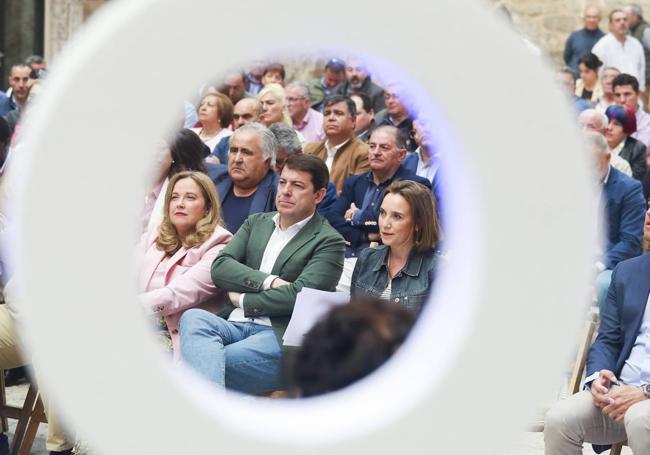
175	273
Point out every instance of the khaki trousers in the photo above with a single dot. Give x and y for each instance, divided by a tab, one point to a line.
571	422
10	357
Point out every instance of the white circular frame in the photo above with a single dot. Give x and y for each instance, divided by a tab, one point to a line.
503	315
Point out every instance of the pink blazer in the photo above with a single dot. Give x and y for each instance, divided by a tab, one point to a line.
188	282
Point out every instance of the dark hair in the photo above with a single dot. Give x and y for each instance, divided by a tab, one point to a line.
591	61
334	99
614	11
626	79
274	68
313	165
366	102
188	152
351	342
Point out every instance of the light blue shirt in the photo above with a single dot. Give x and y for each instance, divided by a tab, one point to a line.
636	370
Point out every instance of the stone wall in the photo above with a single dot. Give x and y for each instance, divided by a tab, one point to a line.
548	22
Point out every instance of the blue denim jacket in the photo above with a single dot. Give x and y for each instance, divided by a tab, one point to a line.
410	287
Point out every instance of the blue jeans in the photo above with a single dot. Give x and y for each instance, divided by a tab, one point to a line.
603	279
237	355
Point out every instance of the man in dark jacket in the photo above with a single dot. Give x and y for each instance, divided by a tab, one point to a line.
249	185
359	80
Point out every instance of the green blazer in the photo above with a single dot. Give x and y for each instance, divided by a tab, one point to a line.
313	259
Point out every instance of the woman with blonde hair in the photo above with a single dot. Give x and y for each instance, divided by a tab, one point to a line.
274	105
402	270
215	117
178	253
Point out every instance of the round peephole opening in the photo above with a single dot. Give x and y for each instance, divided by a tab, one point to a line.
310	308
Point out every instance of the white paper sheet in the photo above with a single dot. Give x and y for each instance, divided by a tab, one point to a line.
311	305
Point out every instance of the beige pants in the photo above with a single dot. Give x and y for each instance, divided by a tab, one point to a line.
10	357
575	420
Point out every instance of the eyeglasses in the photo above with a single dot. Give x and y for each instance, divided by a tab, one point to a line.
293	100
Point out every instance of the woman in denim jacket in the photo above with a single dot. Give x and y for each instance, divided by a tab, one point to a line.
402	270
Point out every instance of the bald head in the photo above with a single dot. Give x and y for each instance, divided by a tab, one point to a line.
592	120
246	110
591	17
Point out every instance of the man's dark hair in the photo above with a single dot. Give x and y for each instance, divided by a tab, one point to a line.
626	79
314	166
366	102
334	99
351	342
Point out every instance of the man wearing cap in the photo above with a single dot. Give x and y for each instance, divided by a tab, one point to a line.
359	80
327	84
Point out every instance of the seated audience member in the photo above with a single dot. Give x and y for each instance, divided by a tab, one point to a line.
273	105
402	270
234	87
593	120
254	78
606	80
358	79
343	153
355	212
306	120
347	345
626	93
622	124
567	81
365	120
288	145
646	179
246	110
424	161
397	114
262	272
614	407
273	74
588	87
215	115
186	152
624	208
178	253
249	185
325	86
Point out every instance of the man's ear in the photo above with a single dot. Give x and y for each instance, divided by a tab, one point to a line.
402	154
320	194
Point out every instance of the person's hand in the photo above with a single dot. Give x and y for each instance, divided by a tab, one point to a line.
213	159
349	214
621	398
600	388
234	298
374	236
277	282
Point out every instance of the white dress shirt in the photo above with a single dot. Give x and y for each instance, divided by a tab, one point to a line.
331	152
627	57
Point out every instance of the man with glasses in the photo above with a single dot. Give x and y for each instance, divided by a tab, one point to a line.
306	120
396	114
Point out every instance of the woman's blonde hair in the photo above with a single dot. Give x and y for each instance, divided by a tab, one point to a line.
277	91
168	239
426	225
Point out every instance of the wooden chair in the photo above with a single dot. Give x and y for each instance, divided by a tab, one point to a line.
29	417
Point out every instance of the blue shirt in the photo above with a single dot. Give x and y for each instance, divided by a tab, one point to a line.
235	210
578	44
636	370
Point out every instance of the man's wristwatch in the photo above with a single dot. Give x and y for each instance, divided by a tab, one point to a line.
646	390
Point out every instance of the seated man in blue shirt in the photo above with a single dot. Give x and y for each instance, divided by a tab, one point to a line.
356	210
249	185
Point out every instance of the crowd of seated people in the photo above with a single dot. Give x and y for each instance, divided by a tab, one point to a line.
333	183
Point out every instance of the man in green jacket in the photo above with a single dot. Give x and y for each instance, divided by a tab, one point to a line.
270	259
